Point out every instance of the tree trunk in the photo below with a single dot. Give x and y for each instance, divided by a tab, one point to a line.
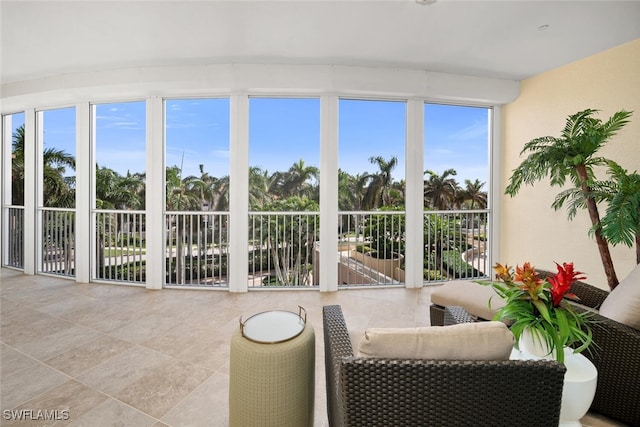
637	248
603	245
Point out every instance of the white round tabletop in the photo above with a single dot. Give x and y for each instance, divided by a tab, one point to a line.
272	327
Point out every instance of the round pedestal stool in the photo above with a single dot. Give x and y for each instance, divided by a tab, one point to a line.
272	371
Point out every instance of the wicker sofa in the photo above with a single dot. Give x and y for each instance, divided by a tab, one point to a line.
617	356
392	392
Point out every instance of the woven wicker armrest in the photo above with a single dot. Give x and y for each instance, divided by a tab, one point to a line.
616	355
337	346
589	295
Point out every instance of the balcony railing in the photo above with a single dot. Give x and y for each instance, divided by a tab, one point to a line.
120	246
371	248
197	249
58	241
283	247
456	245
14	237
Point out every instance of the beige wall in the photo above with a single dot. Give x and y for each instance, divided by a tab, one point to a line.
530	229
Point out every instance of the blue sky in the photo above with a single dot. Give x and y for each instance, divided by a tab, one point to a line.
281	132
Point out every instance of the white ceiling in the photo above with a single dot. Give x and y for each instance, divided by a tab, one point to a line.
498	39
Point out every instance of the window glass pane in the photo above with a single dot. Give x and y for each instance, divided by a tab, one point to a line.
59	158
197	154
456	156
17	158
371	154
284	150
120	155
456	163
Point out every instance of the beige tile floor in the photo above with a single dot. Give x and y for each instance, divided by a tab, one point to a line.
118	355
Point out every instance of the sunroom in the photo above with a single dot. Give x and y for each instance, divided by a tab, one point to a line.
238	146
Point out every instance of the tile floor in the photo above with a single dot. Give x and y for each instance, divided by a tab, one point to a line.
118	355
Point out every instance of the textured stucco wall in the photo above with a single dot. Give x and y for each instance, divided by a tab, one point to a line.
530	229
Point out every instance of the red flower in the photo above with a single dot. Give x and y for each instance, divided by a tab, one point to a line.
562	281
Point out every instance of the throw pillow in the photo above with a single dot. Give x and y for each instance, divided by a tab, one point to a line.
623	303
467	341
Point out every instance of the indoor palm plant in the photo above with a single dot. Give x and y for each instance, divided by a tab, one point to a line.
538	307
573	157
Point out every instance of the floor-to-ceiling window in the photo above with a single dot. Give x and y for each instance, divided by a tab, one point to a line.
13	191
119	190
284	150
197	191
269	148
456	182
371	150
56	136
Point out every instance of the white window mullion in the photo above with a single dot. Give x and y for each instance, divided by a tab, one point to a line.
495	184
39	186
238	192
155	200
30	195
328	193
414	205
84	232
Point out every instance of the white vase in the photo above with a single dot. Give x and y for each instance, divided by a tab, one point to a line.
534	343
580	380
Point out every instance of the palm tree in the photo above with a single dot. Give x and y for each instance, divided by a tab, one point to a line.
440	190
290	240
351	190
259	187
58	190
182	195
17	167
378	190
621	222
473	193
572	156
296	181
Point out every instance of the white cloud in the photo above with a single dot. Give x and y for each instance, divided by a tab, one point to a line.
472	132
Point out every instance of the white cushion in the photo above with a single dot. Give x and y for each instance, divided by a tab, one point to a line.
471	296
623	303
466	341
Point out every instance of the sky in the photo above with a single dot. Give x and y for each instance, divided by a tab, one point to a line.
281	132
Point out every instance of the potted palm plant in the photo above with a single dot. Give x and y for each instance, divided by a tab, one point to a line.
573	156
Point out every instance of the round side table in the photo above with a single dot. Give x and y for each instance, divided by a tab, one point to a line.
272	371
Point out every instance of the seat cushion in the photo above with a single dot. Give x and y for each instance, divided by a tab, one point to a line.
466	341
472	296
623	303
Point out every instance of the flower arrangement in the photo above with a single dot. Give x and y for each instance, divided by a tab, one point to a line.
539	305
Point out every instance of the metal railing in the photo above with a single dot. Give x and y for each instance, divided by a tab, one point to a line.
197	249
14	239
58	241
371	248
281	249
120	246
455	245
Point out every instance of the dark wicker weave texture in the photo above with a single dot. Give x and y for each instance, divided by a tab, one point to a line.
616	355
384	392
